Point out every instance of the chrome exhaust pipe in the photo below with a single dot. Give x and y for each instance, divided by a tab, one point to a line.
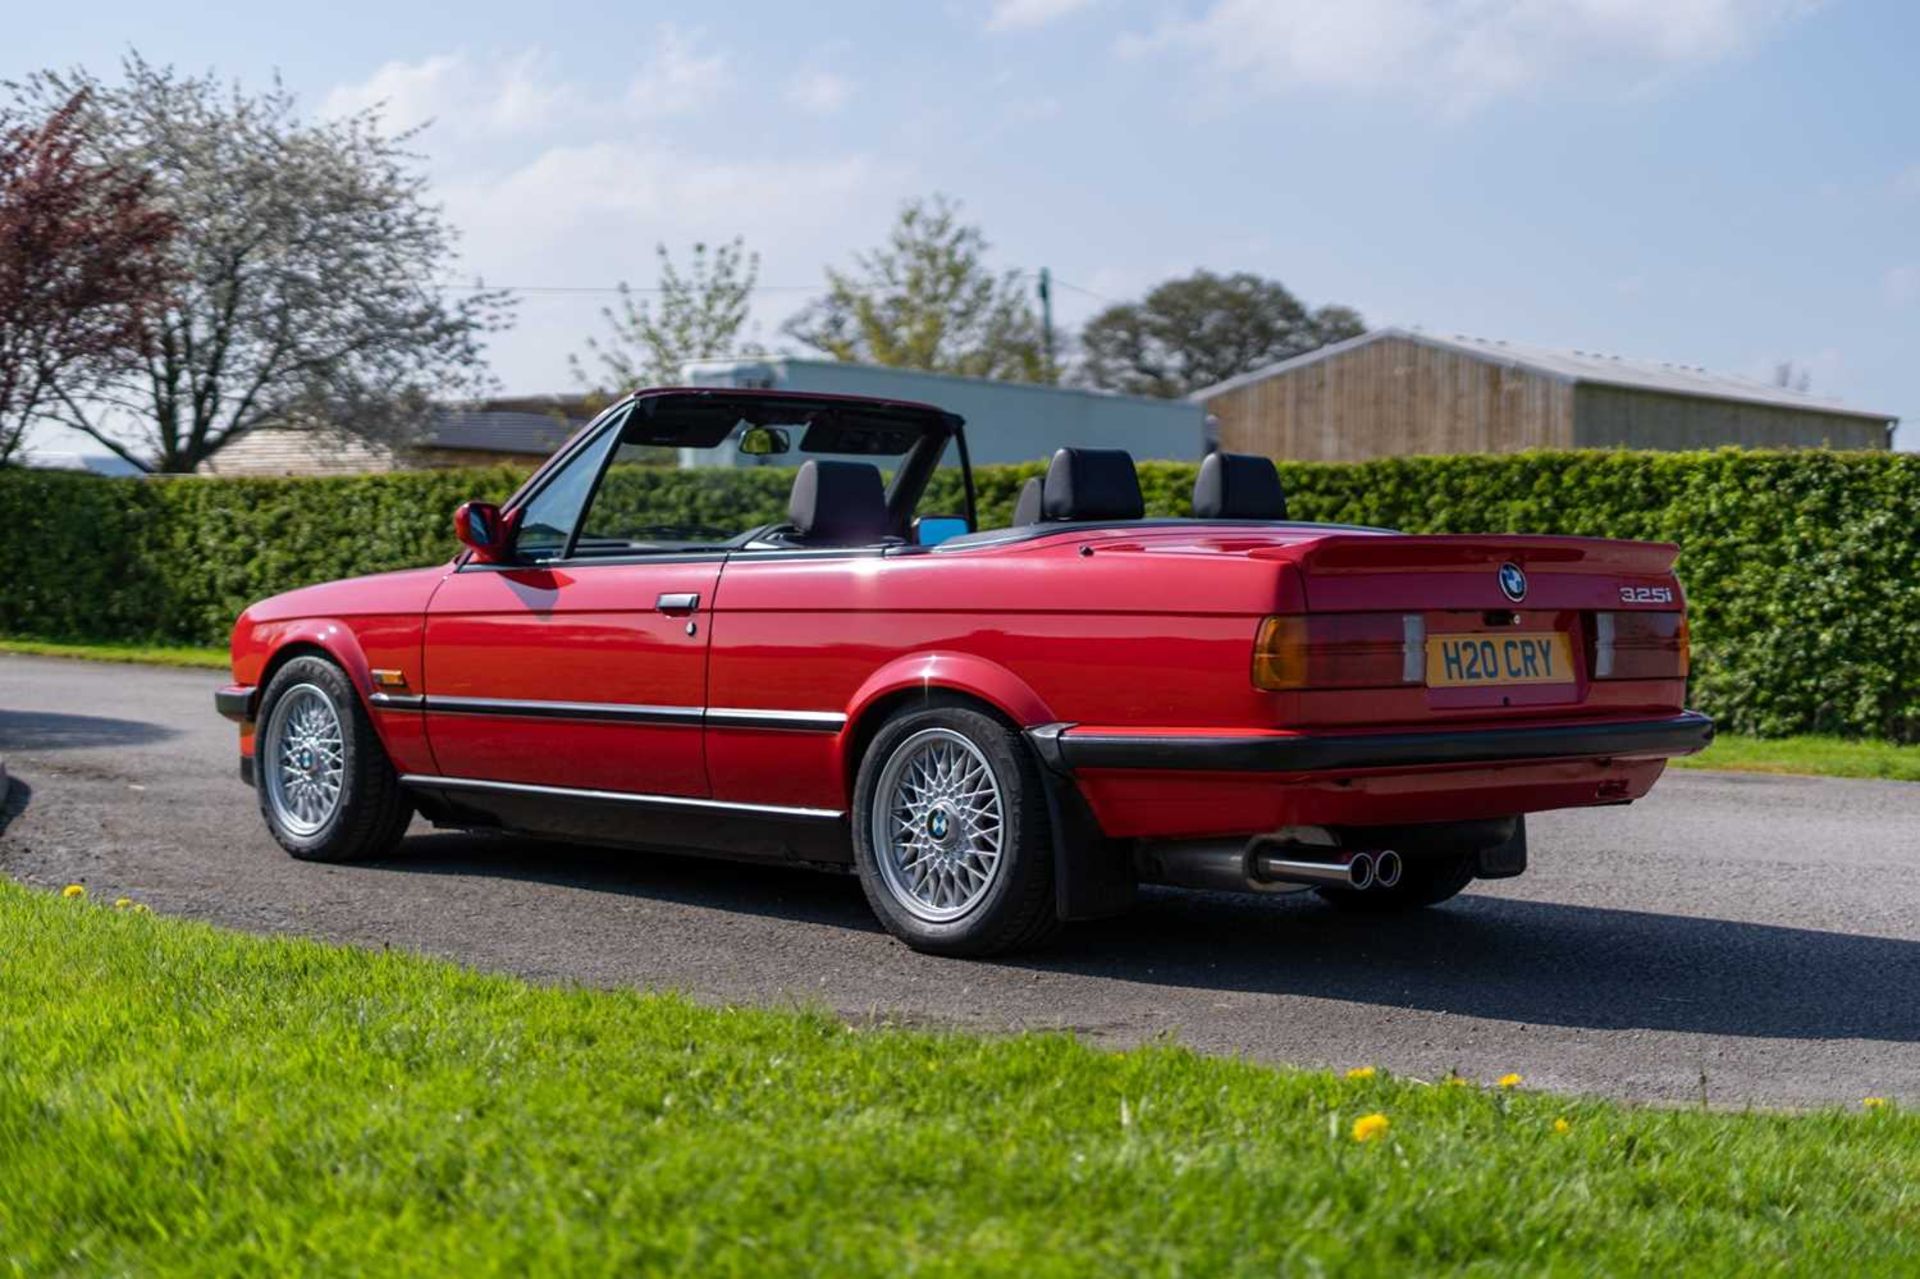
1386	868
1355	873
1232	866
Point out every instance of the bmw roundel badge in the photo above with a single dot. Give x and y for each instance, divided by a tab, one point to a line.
1513	583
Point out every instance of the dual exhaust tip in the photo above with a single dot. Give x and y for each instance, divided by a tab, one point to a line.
1268	865
1360	872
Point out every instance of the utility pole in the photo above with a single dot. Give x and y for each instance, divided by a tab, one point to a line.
1046	322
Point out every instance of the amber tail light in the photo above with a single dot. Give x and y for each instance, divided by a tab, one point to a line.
1641	646
1339	650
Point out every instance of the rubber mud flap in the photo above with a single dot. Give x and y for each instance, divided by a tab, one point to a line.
1507	859
1093	875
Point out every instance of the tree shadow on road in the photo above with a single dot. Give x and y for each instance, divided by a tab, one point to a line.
1531	962
1528	962
753	888
47	731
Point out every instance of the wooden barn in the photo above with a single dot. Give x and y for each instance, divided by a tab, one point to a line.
1397	391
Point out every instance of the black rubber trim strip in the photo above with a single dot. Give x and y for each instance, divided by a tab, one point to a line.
397	701
1064	748
236	701
627	714
246	769
685	716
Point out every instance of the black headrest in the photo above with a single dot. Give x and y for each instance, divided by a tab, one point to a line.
1028	509
1239	486
1092	484
838	504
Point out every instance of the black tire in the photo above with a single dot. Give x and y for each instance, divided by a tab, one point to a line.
372	810
1424	881
1015	910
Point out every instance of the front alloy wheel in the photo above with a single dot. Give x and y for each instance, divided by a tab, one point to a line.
326	787
303	759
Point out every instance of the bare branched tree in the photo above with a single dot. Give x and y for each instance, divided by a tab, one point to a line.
697	313
311	273
83	266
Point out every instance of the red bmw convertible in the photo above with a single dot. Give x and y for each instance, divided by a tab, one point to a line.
995	729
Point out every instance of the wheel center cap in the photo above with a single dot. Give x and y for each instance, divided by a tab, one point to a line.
941	827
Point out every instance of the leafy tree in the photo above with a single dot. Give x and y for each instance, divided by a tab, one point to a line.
1193	332
699	314
309	266
83	262
927	300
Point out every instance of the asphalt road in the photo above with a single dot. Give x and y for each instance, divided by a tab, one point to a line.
1764	933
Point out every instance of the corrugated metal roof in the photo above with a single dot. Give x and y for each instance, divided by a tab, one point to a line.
497	431
1576	366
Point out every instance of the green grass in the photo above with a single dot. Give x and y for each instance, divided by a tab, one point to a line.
176	1099
1814	756
150	654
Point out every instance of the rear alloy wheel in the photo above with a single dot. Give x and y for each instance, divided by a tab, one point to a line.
950	833
1424	881
325	785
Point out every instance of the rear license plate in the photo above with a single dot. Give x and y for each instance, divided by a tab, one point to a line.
1479	661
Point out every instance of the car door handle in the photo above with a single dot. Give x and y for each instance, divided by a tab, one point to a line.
677	604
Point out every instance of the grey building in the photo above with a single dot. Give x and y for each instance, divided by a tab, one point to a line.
1006	421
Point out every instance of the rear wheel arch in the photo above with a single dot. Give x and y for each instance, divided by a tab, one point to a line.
958	678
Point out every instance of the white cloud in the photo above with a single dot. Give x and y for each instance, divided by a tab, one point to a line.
819	92
678	77
1463	52
459	94
1901	284
561	186
467	97
1017	15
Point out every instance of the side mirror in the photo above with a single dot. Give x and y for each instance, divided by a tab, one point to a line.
764	441
931	530
482	530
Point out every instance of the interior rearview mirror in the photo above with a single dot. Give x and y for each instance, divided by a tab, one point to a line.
765	441
481	529
931	530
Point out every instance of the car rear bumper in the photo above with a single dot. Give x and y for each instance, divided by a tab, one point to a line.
1069	749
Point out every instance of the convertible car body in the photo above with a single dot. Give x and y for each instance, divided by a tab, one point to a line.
997	729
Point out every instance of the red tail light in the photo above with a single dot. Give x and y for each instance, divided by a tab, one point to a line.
1340	650
1641	646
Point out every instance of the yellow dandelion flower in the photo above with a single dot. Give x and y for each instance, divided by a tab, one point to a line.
1873	1103
1562	1127
141	908
1509	1080
121	903
1369	1127
1362	1072
74	890
1457	1081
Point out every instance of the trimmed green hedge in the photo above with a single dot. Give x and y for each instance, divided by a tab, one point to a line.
1803	568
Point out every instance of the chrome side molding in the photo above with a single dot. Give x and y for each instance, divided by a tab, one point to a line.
426	781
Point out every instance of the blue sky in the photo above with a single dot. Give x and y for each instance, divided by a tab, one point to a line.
1729	183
